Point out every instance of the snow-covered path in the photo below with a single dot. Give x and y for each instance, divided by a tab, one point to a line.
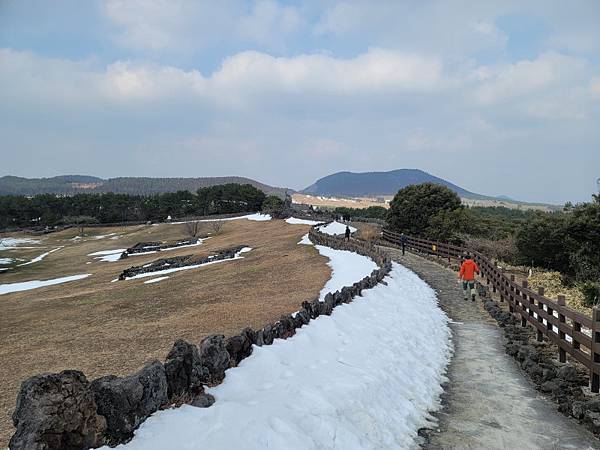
363	378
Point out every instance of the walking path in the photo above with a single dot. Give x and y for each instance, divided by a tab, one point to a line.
488	403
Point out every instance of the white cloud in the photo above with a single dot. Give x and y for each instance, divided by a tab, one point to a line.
548	87
241	78
268	19
190	26
526	77
375	71
147	24
449	28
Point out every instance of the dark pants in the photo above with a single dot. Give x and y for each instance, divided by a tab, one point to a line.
469	286
403	248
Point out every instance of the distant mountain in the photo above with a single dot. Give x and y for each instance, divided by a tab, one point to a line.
372	184
73	184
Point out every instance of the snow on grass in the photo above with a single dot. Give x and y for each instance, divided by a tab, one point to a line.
259	217
5	261
238	255
256	217
335	228
108	255
39	258
305	240
294	221
363	378
108	252
34	284
13	243
102	236
346	268
155	280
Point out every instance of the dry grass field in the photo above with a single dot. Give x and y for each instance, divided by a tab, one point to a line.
101	327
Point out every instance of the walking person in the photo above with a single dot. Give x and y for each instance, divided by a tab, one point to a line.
467	272
347	233
403	242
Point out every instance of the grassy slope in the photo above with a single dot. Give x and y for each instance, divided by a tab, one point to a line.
101	327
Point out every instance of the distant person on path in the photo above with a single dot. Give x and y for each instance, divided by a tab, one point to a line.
403	242
347	233
467	272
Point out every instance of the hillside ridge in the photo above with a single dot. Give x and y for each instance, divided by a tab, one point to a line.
75	184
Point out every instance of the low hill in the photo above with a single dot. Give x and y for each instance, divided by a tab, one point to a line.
372	184
381	184
73	184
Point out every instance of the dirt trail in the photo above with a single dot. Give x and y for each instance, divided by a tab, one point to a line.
489	404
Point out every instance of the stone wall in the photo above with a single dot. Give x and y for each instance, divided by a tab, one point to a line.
66	411
566	383
145	247
179	261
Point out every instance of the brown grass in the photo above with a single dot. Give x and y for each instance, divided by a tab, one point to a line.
101	327
368	232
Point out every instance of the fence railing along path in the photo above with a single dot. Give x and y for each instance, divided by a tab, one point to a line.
562	325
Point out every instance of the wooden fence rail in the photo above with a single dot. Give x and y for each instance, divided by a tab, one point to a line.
562	325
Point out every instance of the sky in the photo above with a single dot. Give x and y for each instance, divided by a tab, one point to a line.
501	97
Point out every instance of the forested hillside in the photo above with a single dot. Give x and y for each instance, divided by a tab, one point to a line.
73	184
49	209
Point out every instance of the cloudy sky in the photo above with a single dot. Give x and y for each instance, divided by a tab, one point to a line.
501	97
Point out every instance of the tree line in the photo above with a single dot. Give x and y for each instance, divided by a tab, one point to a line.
567	241
50	209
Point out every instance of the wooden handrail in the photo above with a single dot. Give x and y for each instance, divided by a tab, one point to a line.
533	307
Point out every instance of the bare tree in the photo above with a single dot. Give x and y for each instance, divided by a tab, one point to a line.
217	226
193	228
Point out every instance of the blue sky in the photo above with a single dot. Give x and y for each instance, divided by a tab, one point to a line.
500	97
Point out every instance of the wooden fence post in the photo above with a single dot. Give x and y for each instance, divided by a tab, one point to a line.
594	375
562	354
540	335
510	296
502	284
523	307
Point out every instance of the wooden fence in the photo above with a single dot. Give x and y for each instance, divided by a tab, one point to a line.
576	335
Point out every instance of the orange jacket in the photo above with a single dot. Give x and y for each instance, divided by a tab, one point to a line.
468	270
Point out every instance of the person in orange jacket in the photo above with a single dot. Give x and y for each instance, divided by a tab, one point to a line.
467	272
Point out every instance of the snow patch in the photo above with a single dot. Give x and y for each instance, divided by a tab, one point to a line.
155	280
365	377
6	261
294	221
108	255
305	240
335	228
39	258
34	284
346	268
102	236
257	217
12	243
